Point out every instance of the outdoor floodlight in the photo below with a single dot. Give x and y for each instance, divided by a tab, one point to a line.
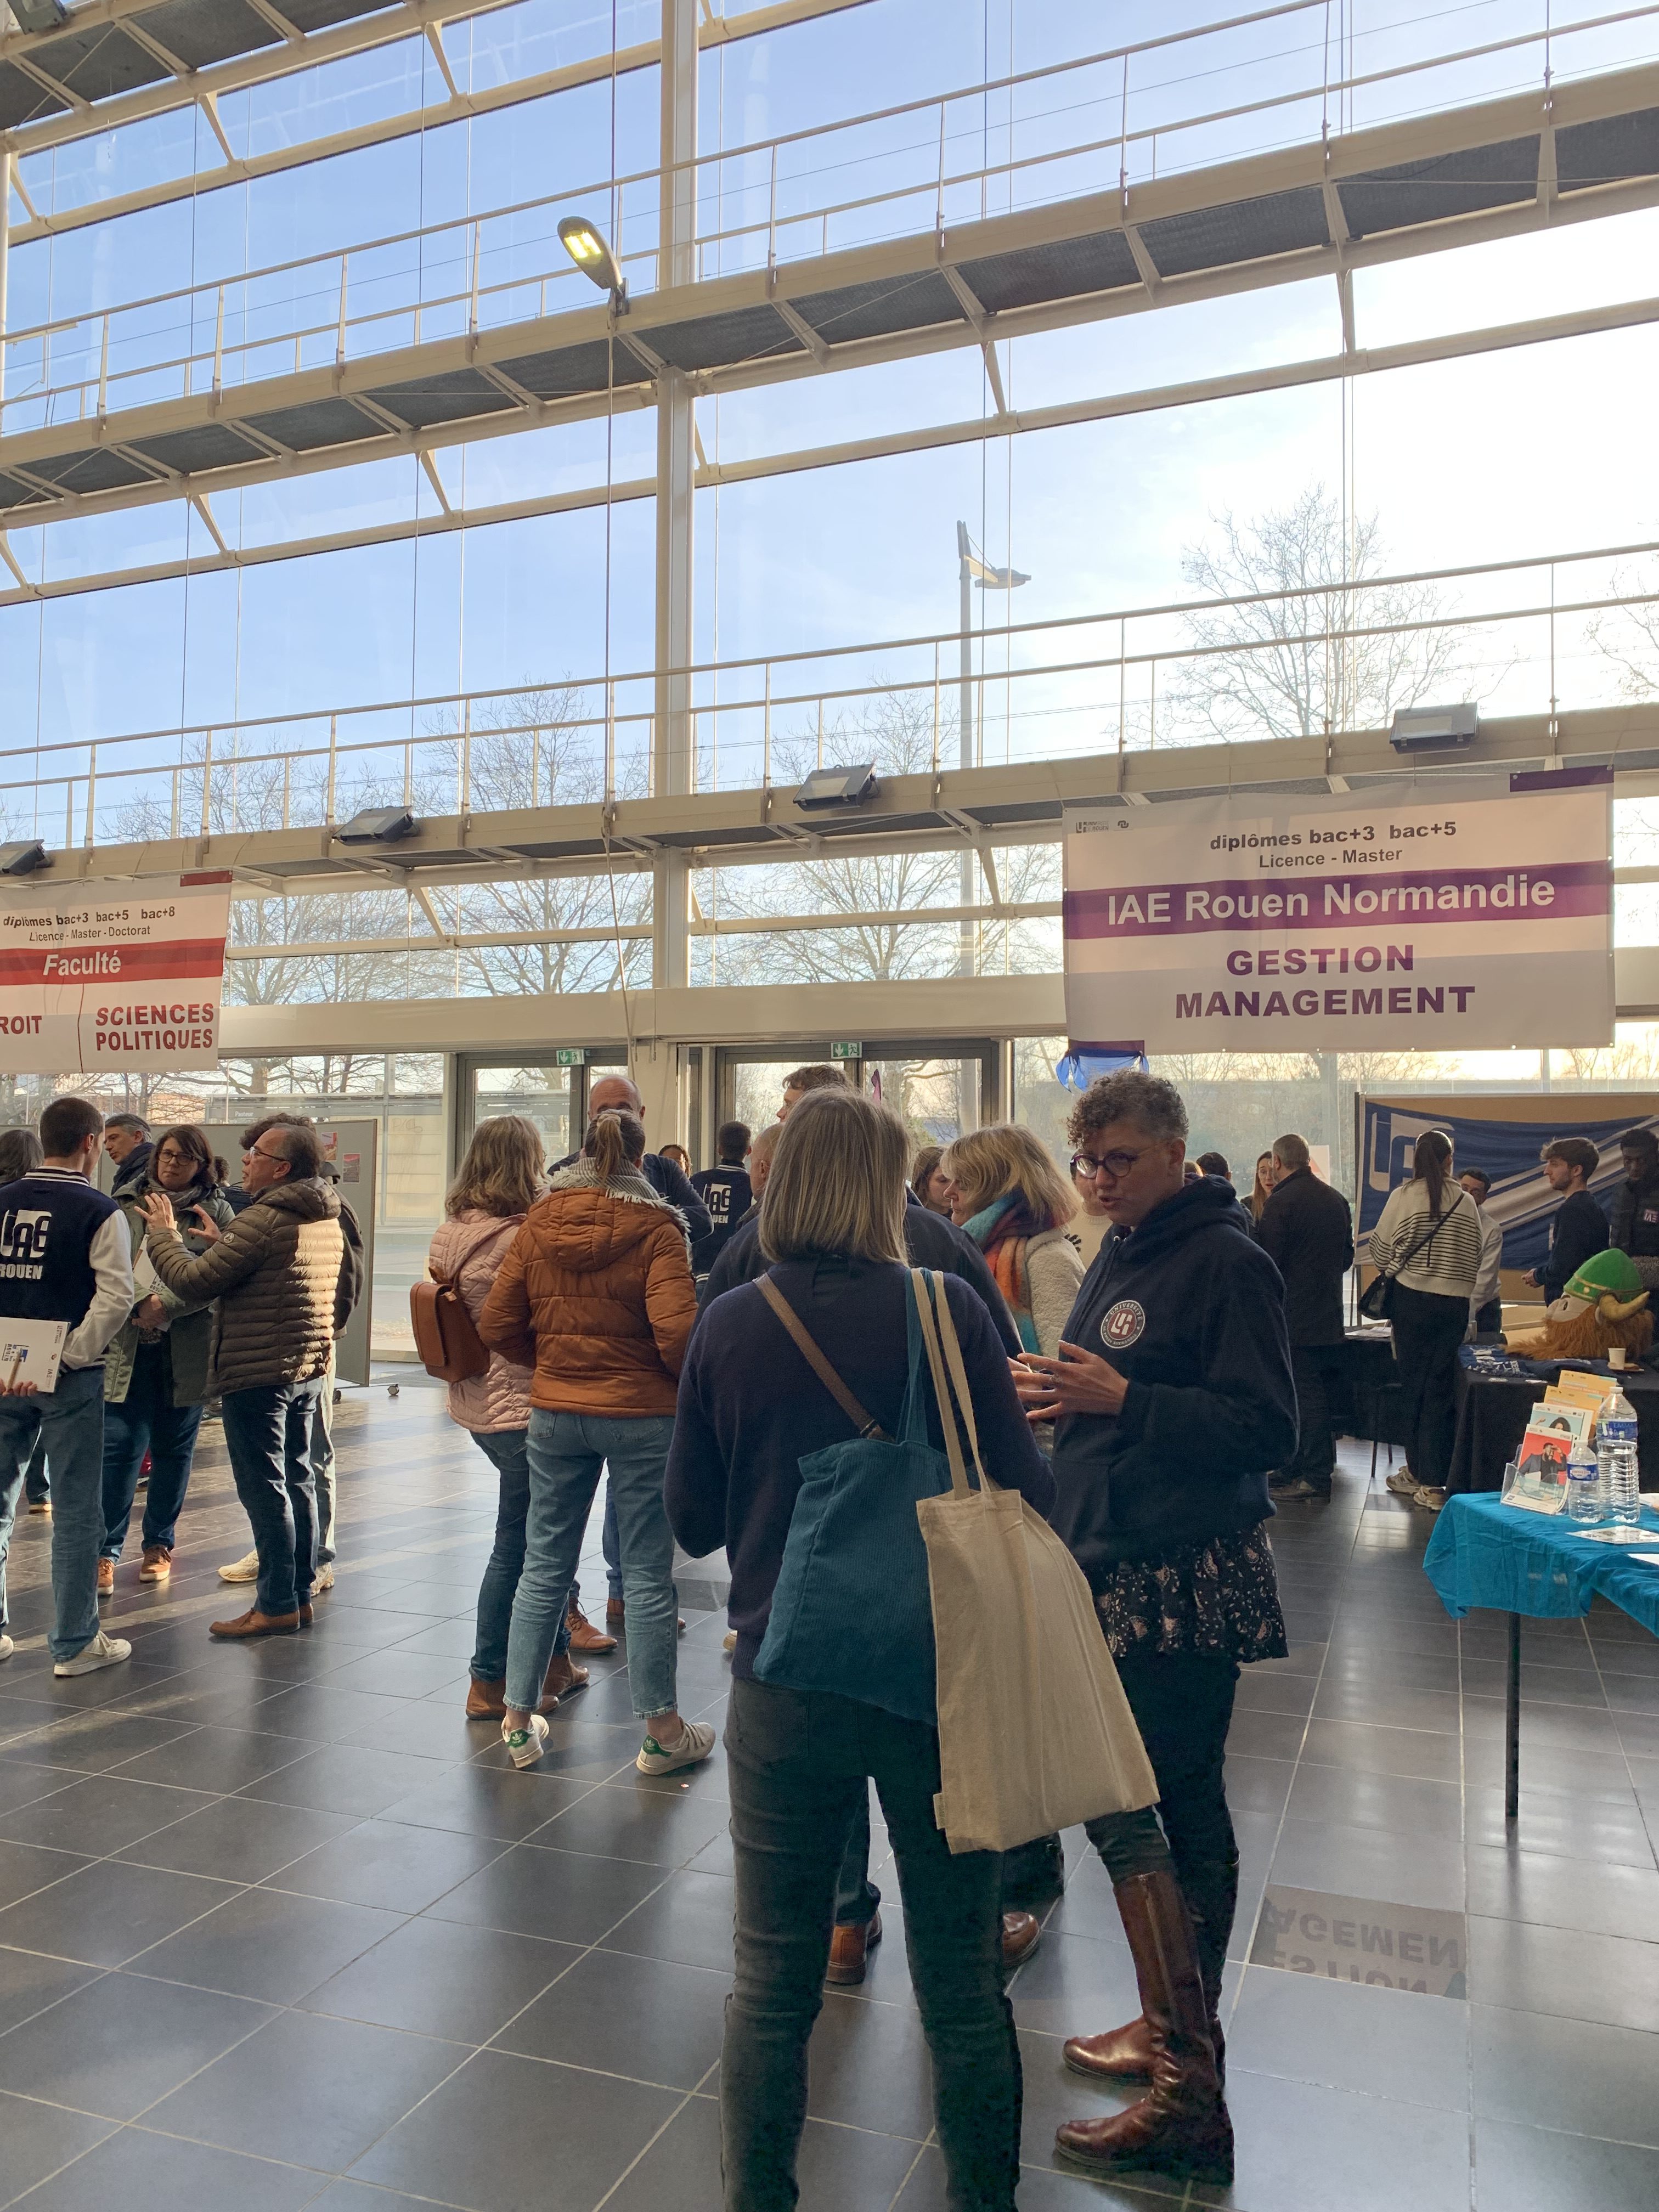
22	860
828	788
586	245
378	825
38	14
988	579
1434	729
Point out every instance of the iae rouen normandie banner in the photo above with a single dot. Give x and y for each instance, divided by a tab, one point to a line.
1343	923
119	977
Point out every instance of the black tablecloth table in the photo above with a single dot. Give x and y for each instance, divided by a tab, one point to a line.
1492	1413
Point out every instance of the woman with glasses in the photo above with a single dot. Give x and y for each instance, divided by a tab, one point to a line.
1175	1400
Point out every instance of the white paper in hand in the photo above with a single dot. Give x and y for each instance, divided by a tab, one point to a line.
30	1352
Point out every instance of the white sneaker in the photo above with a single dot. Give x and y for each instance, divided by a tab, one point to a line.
729	1641
102	1651
1402	1482
7	1647
525	1746
324	1578
1430	1497
241	1570
693	1748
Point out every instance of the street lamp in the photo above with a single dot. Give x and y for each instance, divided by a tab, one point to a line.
586	243
973	574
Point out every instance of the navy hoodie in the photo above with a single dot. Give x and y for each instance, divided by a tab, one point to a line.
1192	1311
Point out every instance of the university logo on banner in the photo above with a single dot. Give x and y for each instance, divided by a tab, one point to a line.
1343	923
113	977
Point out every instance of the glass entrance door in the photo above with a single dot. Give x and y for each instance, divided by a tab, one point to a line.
551	1097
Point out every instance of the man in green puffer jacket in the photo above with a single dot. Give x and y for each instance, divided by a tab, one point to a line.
286	1277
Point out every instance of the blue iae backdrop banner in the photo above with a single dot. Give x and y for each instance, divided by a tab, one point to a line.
1508	1150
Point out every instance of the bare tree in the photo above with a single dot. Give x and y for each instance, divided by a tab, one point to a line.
1628	636
1292	654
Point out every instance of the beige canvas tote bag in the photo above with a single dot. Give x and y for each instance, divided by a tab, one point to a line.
1034	1732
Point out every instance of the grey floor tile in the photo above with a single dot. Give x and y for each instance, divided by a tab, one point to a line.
23	1783
1565	1971
467	2145
1561	1826
38	2140
1366	1748
1603	1898
216	1758
144	2173
92	1741
388	1674
239	1839
487	1801
265	1944
1522	2169
1361	1861
308	2088
115	2047
98	1817
1076	1984
1375	2042
556	1895
649	2019
1399	1803
687	1917
1601	2078
840	2169
1303	2148
617	1820
106	1913
30	1981
389	1864
1039	2190
338	1779
436	1977
26	1867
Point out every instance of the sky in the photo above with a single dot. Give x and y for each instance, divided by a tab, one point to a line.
1535	450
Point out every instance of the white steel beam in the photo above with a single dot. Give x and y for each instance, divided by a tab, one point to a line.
1371	361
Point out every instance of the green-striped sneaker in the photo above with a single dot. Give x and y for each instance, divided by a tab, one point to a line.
692	1748
525	1746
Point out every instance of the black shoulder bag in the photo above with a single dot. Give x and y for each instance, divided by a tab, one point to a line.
1376	1300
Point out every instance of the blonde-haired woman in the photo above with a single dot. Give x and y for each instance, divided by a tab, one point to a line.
596	1292
503	1175
1014	1202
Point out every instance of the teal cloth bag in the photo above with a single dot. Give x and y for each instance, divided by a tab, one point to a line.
852	1612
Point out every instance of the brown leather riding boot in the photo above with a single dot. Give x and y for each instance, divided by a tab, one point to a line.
560	1679
1125	2054
1181	2126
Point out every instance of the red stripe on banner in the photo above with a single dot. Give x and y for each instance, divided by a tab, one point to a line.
185	959
1355	899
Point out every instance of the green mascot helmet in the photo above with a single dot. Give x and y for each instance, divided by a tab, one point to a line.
1610	1274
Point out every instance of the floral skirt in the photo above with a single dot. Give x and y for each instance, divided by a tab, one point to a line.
1221	1598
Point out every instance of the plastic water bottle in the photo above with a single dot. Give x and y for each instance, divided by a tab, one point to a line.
1583	1485
1620	1482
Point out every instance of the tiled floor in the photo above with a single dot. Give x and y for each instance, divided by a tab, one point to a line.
279	1929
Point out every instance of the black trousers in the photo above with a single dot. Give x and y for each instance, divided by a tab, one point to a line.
1183	1702
799	1765
1314	1368
1427	1332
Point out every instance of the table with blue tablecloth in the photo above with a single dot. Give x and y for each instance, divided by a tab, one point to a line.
1484	1553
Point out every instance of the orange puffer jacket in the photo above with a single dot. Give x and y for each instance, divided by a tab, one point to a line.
596	1290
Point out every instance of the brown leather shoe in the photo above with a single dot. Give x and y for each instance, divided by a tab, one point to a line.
158	1563
591	1642
305	1614
105	1577
254	1623
486	1701
1121	2054
1021	1934
1181	2126
562	1679
615	1612
849	1948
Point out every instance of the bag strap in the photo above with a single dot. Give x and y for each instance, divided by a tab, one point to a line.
865	1424
1440	1221
947	1329
941	1386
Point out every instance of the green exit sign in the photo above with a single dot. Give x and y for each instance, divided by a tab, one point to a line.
571	1055
845	1051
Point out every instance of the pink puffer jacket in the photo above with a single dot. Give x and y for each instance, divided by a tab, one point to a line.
470	1250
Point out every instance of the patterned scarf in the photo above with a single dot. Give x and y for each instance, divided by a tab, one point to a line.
1000	1231
628	1183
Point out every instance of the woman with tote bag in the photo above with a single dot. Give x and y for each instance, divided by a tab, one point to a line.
752	1406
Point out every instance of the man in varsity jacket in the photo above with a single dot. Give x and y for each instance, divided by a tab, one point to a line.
65	1255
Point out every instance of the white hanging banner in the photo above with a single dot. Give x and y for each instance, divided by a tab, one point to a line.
1345	924
112	978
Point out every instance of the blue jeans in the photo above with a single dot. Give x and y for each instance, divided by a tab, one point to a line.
505	1450
566	1453
322	1467
147	1420
37	1477
70	1424
611	1543
268	1436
